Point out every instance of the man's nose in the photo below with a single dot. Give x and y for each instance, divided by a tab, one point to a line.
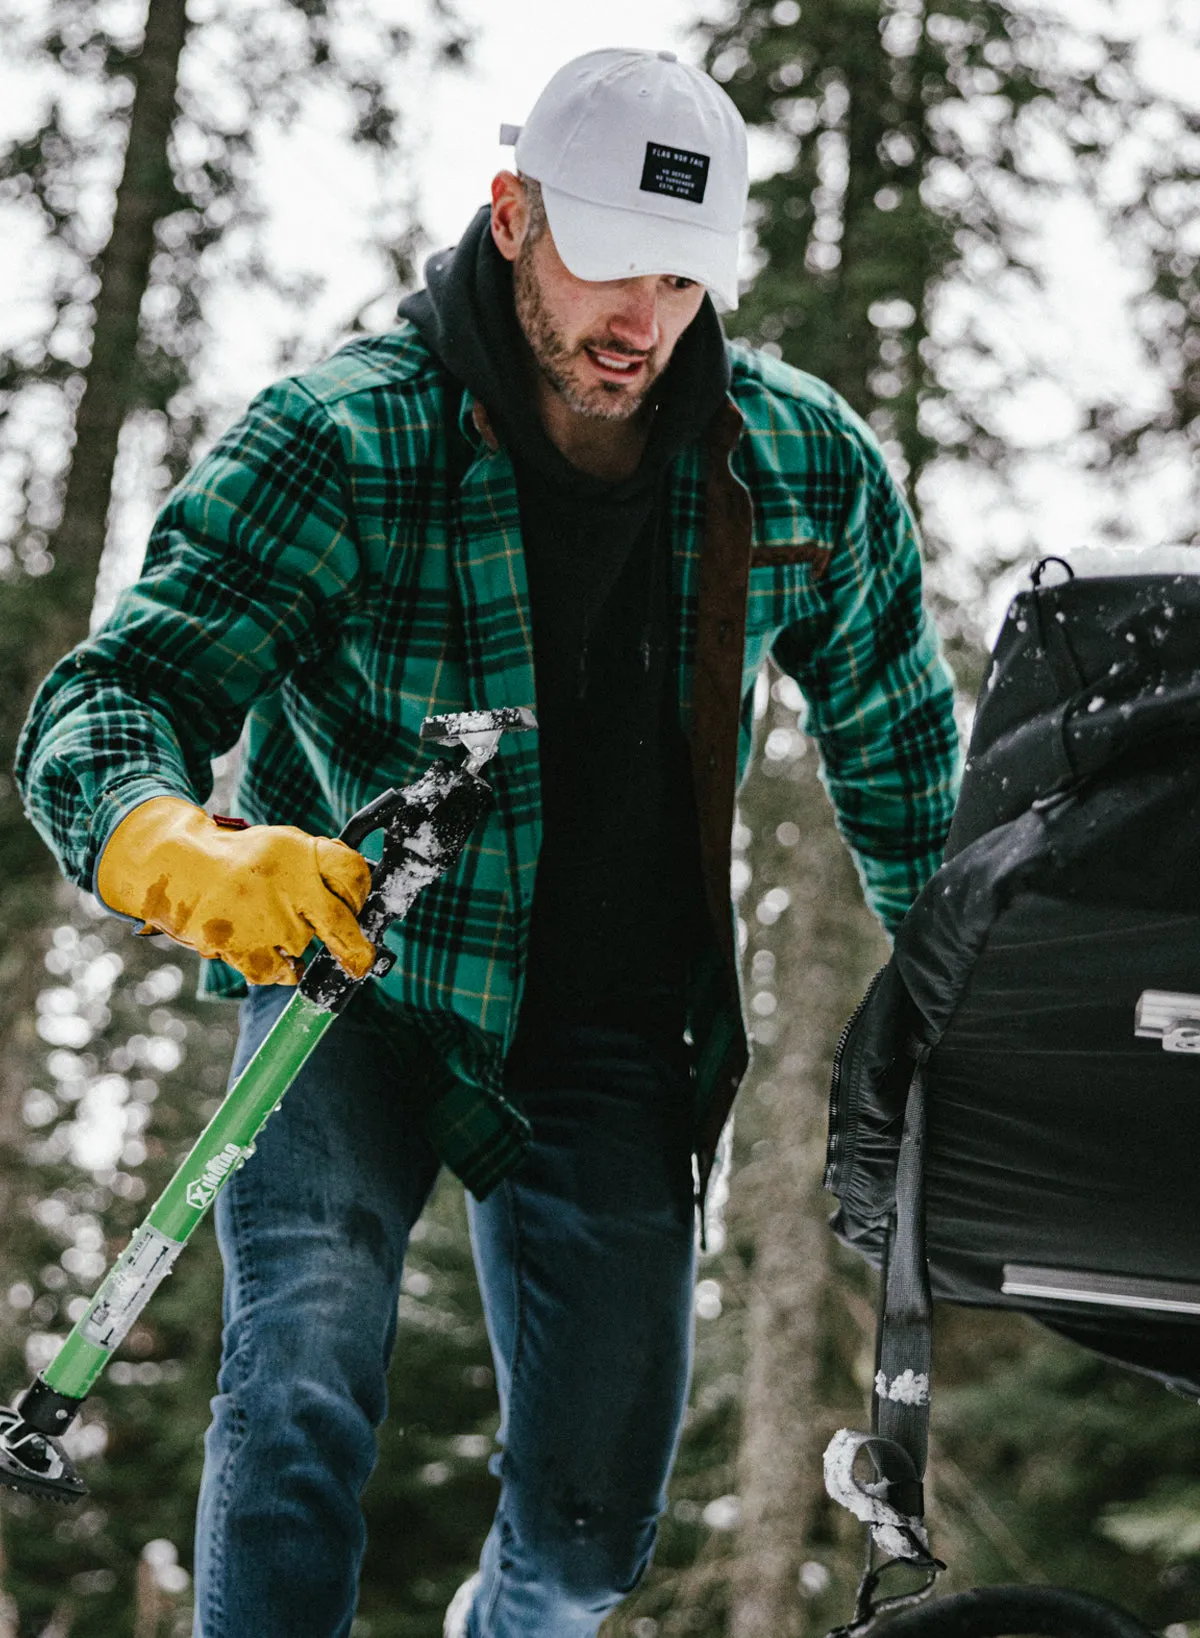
635	317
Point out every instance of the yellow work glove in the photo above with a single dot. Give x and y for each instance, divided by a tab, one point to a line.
254	897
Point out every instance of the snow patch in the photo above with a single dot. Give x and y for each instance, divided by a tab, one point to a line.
899	1535
1100	562
402	886
909	1388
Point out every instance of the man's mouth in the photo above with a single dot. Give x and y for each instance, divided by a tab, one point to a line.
616	366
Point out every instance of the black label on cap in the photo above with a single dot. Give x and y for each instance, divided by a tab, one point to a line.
675	172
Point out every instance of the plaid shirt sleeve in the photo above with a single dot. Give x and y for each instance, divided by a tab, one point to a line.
878	692
243	572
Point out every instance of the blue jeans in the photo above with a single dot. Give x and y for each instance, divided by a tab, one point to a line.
585	1265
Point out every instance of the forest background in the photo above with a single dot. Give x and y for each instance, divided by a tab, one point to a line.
980	222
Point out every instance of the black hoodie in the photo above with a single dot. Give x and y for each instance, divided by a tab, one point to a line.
617	899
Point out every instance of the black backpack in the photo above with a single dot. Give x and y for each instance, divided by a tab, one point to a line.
1015	1113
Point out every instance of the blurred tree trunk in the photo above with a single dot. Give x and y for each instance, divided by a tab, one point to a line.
825	945
146	193
41	617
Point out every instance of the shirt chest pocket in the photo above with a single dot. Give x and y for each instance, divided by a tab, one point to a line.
783	579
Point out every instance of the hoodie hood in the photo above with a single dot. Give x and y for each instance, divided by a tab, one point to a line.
467	316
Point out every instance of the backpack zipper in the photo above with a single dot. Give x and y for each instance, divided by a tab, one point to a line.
832	1157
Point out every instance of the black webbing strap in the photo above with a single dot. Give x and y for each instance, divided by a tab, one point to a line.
1054	635
904	1346
892	1505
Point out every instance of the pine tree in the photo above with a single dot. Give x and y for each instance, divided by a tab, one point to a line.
153	124
44	601
908	190
921	150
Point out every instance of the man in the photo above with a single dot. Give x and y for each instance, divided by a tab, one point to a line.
554	482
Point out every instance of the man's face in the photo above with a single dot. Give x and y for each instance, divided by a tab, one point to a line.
600	346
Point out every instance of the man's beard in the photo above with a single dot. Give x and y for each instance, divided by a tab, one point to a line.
601	400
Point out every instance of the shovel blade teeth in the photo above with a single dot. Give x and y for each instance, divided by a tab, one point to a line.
34	1464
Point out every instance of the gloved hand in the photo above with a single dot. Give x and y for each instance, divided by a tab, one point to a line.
253	897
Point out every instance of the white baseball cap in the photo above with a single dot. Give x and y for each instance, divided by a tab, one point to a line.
642	162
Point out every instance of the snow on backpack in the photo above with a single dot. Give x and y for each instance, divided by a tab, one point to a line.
1015	1112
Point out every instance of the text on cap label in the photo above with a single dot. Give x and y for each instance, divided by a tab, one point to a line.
675	172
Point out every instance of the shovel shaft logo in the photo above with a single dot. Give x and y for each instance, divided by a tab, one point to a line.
202	1190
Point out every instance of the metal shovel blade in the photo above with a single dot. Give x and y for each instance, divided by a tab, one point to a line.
34	1463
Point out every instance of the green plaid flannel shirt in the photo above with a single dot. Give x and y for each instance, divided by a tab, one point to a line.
340	566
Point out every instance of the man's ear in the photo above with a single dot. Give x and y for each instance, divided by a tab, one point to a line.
510	214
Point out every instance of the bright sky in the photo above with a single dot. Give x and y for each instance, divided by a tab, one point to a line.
1079	329
321	206
321	201
521	43
453	138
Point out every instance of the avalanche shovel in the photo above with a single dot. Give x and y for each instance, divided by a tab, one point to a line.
425	827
